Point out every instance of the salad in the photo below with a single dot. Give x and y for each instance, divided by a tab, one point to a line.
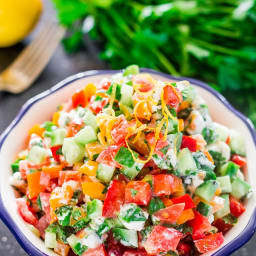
131	166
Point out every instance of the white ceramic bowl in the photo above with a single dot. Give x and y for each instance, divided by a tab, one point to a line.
41	107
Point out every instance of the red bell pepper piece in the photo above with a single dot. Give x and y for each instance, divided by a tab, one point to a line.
189	142
200	224
209	243
138	192
171	213
236	207
162	239
55	154
189	203
239	160
24	211
114	199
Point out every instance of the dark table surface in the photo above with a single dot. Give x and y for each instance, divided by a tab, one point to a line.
60	66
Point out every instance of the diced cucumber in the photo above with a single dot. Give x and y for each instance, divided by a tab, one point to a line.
132	217
105	172
225	210
225	184
149	179
172	126
237	143
126	95
131	70
207	190
86	135
221	131
132	172
240	188
175	140
94	209
229	168
188	91
50	240
57	136
72	151
204	209
76	245
37	155
126	237
186	161
90	119
202	162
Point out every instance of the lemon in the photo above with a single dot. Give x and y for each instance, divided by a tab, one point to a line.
17	19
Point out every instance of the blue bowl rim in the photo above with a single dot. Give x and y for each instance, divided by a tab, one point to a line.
239	241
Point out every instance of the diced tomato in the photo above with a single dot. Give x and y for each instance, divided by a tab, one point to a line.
45	179
135	253
239	160
42	224
69	175
184	249
114	199
45	202
104	83
46	162
74	127
163	184
172	96
107	156
23	168
222	226
145	82
162	239
24	211
171	213
55	154
79	99
189	142
189	203
200	224
119	130
236	207
99	251
138	192
209	243
97	106
160	144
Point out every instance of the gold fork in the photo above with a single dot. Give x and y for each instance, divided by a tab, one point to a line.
32	60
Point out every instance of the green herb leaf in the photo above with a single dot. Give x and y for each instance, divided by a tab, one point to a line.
155	205
124	157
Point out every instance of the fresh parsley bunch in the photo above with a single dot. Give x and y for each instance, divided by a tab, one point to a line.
213	40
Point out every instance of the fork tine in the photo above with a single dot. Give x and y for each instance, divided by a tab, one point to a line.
39	60
29	50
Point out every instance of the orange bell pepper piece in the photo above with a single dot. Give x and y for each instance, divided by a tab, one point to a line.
89	168
181	125
167	201
94	189
53	170
34	187
36	129
178	188
143	110
185	216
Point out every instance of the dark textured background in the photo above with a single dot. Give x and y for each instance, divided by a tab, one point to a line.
60	66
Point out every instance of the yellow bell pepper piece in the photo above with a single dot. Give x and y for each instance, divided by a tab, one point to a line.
94	189
55	118
36	129
89	168
93	149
